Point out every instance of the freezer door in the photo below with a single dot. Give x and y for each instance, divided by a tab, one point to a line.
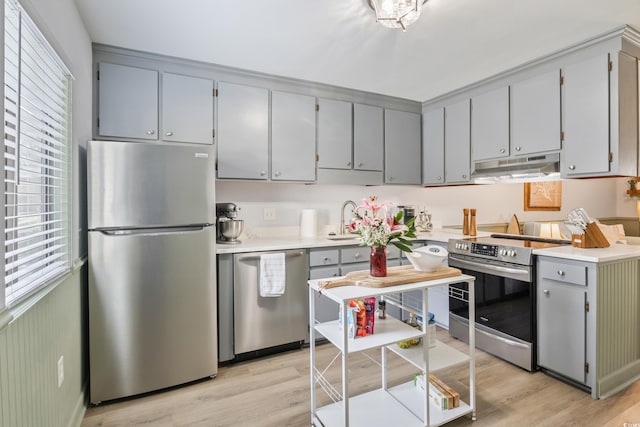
150	184
152	310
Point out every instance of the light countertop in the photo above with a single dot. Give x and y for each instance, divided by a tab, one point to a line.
262	244
612	253
278	244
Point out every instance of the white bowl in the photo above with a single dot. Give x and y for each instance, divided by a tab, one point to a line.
427	258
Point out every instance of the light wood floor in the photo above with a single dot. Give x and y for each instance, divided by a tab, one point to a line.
274	391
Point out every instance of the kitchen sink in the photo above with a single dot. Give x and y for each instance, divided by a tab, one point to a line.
343	237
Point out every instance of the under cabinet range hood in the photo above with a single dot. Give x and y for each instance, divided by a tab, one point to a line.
525	168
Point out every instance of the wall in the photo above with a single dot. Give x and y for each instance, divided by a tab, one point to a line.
52	323
495	203
30	348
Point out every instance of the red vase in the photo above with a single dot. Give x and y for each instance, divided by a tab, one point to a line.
378	261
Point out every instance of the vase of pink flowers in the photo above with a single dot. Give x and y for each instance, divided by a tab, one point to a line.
378	227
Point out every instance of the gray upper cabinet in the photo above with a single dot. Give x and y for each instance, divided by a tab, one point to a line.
586	116
490	124
293	137
243	132
433	147
334	134
402	147
187	109
457	151
127	102
600	106
368	137
535	114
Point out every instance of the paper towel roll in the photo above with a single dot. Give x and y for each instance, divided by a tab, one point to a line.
308	223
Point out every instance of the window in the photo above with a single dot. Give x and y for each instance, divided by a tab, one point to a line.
37	123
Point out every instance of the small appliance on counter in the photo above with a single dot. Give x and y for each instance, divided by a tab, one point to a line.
408	213
228	227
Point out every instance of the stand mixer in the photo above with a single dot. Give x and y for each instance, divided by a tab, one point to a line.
228	228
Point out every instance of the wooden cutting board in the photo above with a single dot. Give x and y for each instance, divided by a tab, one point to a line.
514	226
395	276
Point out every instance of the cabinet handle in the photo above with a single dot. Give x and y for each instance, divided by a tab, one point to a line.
277	174
502	150
360	165
546	291
357	256
438	178
151	132
518	148
390	178
572	167
262	173
348	163
325	259
464	175
560	273
168	133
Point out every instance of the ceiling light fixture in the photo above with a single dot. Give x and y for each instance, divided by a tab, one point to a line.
397	13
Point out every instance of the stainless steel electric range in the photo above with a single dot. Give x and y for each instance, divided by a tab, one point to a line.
505	289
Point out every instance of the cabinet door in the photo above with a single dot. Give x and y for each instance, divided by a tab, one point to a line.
561	328
402	147
293	137
127	102
433	147
457	128
586	117
535	114
187	109
334	134
490	125
243	131
368	137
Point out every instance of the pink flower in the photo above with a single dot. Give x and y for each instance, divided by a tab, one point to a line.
395	226
371	205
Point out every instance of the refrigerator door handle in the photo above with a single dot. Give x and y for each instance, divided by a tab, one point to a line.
159	230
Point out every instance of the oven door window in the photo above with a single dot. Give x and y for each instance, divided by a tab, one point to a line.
502	304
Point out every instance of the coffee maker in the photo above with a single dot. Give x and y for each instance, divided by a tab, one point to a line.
228	228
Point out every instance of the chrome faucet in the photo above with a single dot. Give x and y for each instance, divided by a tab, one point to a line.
344	205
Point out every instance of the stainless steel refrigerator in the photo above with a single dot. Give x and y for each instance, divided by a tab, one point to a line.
152	278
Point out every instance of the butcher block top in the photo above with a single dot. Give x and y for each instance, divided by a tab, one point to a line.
395	276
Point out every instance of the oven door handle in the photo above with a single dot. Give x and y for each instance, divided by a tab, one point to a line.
489	267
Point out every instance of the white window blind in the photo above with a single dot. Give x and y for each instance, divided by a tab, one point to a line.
36	158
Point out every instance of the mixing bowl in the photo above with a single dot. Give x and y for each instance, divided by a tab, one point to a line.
231	229
427	258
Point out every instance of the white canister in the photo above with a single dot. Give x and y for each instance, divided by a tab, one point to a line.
308	223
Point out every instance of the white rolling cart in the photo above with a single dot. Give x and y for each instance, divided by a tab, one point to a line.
401	405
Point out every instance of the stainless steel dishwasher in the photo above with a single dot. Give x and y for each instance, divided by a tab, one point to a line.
263	323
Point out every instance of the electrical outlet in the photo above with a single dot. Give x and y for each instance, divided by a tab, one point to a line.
269	214
60	371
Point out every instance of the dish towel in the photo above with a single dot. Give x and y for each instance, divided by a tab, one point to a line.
272	275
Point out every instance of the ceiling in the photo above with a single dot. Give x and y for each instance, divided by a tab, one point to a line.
338	42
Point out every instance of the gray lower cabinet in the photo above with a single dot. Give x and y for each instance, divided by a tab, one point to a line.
325	263
127	102
562	319
242	132
402	147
